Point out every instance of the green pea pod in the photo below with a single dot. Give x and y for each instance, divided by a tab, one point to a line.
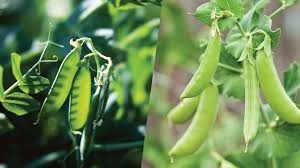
62	83
201	124
88	135
94	119
273	90
208	66
252	111
80	98
184	110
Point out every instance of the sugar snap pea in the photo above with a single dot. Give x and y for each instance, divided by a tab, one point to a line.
62	83
184	110
80	97
252	111
208	66
201	124
273	91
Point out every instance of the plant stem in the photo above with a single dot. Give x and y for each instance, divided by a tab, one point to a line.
118	146
274	163
228	67
282	7
264	115
240	28
12	87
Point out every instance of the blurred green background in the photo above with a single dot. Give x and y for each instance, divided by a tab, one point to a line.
125	30
181	40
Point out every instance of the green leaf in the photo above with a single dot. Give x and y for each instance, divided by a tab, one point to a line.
265	23
20	103
234	6
291	79
139	33
253	19
5	124
16	65
227	23
203	13
232	83
287	3
34	84
246	160
277	142
291	161
1	84
235	43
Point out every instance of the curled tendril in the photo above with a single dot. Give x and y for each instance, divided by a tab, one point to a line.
54	59
38	70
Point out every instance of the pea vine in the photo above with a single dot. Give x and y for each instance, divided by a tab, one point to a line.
271	114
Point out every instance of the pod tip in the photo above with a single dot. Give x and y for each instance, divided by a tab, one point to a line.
246	148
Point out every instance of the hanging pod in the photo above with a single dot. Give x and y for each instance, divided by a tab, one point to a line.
184	110
80	97
62	83
94	119
252	111
203	121
208	65
273	90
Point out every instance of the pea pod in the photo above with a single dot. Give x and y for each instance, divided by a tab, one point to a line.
184	110
80	97
208	66
252	112
273	90
88	135
62	83
99	100
201	124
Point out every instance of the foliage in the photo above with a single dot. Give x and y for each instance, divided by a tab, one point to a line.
246	28
125	31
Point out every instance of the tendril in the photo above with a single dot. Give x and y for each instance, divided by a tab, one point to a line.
54	59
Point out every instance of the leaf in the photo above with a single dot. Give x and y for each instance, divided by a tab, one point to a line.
232	84
34	84
236	42
203	13
265	24
20	103
1	84
277	142
139	33
291	79
227	23
234	6
5	124
16	65
291	161
246	160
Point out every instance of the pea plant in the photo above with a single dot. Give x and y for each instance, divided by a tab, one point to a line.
238	62
80	98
